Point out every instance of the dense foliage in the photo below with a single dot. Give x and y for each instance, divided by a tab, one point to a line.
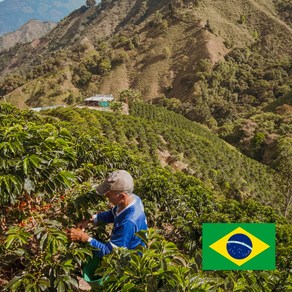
233	88
284	8
247	94
48	164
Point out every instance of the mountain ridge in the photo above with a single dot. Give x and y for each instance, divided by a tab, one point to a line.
14	13
31	30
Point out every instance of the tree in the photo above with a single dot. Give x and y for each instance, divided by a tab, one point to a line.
172	104
104	66
90	3
129	95
116	106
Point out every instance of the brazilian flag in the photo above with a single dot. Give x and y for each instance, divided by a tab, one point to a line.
239	246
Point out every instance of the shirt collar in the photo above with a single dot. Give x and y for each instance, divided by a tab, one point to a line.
131	204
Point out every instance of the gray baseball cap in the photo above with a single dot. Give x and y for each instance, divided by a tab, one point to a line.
119	180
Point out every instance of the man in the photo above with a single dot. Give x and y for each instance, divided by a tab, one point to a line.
127	215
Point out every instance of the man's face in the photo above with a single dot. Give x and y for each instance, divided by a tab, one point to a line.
114	197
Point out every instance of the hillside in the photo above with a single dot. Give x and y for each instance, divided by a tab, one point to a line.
224	64
15	13
165	39
28	32
50	160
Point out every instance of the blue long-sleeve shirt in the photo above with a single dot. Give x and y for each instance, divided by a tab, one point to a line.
130	220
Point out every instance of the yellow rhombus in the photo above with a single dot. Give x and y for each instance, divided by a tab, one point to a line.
258	246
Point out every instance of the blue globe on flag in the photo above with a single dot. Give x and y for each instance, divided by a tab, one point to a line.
239	246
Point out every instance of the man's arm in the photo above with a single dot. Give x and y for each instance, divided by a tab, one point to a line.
76	234
121	238
106	217
104	248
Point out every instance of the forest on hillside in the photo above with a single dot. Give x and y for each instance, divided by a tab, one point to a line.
50	160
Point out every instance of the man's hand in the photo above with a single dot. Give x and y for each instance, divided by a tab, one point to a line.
76	234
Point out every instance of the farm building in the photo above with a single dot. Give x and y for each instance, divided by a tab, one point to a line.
100	100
